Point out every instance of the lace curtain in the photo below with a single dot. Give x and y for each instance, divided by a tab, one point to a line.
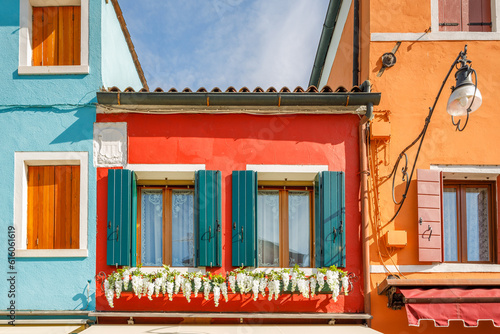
268	227
182	228
152	227
299	228
478	243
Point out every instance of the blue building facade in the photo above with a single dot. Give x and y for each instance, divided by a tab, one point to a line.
47	114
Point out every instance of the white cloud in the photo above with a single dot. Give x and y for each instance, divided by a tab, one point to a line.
226	42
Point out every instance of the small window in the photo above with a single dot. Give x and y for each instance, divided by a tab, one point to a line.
56	36
465	15
467	222
165	226
284	225
53	207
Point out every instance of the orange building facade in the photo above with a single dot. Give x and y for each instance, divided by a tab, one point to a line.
441	251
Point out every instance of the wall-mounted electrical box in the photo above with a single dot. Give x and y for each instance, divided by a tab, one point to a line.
380	130
396	239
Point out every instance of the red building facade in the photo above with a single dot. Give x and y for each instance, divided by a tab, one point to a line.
285	144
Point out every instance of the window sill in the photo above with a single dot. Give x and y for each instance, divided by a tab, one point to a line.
182	270
51	253
435	36
52	70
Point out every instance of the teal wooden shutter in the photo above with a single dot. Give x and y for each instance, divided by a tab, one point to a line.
122	214
208	217
330	219
244	218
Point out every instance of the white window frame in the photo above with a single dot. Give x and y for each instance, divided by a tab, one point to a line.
21	162
171	172
436	35
25	39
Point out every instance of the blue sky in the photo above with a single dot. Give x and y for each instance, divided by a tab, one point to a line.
222	43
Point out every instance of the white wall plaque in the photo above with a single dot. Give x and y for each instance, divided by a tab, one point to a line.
110	144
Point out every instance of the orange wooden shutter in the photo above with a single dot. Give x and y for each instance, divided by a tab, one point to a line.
53	207
56	35
429	188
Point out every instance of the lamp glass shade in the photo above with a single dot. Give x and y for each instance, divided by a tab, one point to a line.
461	99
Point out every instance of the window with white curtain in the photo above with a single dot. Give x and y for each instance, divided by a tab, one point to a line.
166	226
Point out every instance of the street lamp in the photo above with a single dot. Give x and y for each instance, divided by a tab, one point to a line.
465	99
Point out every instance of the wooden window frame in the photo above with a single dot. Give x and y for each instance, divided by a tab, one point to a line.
167	188
461	187
284	256
463	25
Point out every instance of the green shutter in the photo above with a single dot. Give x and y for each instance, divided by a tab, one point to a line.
208	217
244	219
121	220
330	219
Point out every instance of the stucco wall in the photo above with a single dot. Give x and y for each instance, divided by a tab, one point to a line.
118	68
227	143
47	283
33	90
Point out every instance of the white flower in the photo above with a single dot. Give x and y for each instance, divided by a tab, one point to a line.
206	289
262	286
178	282
241	281
332	279
345	284
276	284
186	289
223	290
294	281
151	290
312	283
271	290
118	288
286	279
170	289
137	285
126	278
158	283
255	289
216	294
145	286
197	285
109	292
303	287
232	283
320	277
248	283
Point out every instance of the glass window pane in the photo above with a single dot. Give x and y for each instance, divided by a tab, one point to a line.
450	231
182	228
268	226
151	227
478	242
299	228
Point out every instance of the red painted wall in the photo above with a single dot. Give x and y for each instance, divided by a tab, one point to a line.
227	143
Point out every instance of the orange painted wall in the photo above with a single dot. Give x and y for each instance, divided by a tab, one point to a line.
408	90
341	74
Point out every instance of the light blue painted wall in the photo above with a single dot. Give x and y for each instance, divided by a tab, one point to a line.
52	113
47	283
57	89
118	67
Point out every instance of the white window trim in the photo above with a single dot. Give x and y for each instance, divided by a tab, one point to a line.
288	172
436	35
25	33
468	172
165	171
21	161
438	268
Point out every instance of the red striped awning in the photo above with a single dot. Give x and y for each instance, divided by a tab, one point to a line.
442	305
